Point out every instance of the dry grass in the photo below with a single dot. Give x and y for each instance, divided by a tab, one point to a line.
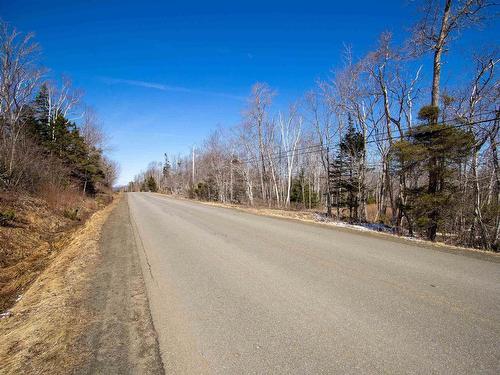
41	334
58	198
31	241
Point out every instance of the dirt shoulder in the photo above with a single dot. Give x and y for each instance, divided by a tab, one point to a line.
88	311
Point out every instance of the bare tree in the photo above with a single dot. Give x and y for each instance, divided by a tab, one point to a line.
91	130
397	92
111	171
19	78
257	115
290	128
438	27
320	118
480	102
60	100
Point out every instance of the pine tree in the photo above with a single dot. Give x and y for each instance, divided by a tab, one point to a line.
42	125
301	192
60	138
344	172
151	184
432	150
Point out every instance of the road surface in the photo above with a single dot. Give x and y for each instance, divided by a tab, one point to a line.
231	292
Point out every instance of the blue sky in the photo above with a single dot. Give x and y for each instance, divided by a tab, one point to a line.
162	75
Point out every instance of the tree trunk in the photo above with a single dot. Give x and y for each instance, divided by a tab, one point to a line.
328	188
478	217
432	190
438	51
496	186
262	168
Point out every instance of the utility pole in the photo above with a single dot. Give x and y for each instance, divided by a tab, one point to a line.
328	186
231	198
193	165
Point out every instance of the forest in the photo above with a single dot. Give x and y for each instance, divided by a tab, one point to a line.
51	144
380	140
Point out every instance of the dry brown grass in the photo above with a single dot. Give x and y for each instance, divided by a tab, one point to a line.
58	198
41	335
371	214
36	235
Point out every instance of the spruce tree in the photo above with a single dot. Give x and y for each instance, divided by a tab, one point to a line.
151	184
344	172
432	150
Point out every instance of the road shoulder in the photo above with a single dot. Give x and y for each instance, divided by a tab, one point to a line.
88	312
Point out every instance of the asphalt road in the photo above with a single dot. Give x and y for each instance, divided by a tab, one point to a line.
231	292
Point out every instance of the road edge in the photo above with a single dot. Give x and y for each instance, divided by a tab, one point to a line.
438	246
41	332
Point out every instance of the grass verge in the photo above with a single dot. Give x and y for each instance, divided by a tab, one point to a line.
40	333
32	233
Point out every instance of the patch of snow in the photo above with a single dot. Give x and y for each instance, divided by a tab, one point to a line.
375	227
366	227
5	314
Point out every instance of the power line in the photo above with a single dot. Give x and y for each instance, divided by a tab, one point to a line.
324	146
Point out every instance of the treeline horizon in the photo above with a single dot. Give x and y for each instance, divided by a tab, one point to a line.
51	144
375	142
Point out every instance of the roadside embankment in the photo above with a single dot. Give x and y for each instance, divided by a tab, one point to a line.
32	233
39	332
88	311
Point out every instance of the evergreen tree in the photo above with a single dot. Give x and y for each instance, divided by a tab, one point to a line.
151	184
42	125
433	150
60	138
206	190
301	193
344	172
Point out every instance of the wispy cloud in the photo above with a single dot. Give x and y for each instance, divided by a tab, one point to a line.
163	87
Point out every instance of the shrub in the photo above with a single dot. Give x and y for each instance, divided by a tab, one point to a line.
6	216
71	213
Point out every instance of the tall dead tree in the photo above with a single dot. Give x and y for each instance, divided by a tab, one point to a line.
439	25
320	117
480	103
291	128
258	105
